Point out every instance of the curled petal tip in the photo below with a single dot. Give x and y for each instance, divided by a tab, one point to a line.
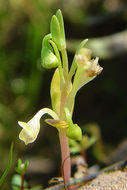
22	124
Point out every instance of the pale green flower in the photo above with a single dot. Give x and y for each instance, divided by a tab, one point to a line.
31	128
88	67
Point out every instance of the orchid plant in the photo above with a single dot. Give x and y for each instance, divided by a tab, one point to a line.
64	86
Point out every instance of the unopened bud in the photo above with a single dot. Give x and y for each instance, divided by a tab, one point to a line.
74	132
49	60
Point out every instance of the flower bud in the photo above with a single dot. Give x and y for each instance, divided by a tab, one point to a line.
74	132
22	167
49	60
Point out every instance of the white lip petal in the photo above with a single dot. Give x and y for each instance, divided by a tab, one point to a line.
31	129
28	137
28	134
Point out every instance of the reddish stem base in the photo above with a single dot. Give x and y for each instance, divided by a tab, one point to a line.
66	164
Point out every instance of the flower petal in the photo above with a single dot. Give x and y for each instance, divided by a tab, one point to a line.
27	134
31	129
57	123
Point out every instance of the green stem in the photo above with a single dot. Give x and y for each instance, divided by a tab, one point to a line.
60	63
63	101
74	64
65	62
71	98
66	171
72	69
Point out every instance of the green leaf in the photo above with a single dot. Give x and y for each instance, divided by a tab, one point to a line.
55	31
81	45
8	165
19	162
18	170
26	164
61	23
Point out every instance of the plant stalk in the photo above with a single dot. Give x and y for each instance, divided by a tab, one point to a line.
66	163
72	69
71	98
60	64
65	63
22	183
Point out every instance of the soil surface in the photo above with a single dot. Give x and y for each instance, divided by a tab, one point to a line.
108	181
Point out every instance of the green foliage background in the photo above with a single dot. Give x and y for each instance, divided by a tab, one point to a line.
24	84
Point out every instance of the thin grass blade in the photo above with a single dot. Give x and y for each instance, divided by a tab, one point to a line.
8	165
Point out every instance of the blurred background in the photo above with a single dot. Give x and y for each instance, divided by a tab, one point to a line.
25	85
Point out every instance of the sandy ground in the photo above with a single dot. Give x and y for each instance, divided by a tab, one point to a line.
108	181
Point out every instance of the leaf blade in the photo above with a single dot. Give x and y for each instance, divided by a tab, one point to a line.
8	165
